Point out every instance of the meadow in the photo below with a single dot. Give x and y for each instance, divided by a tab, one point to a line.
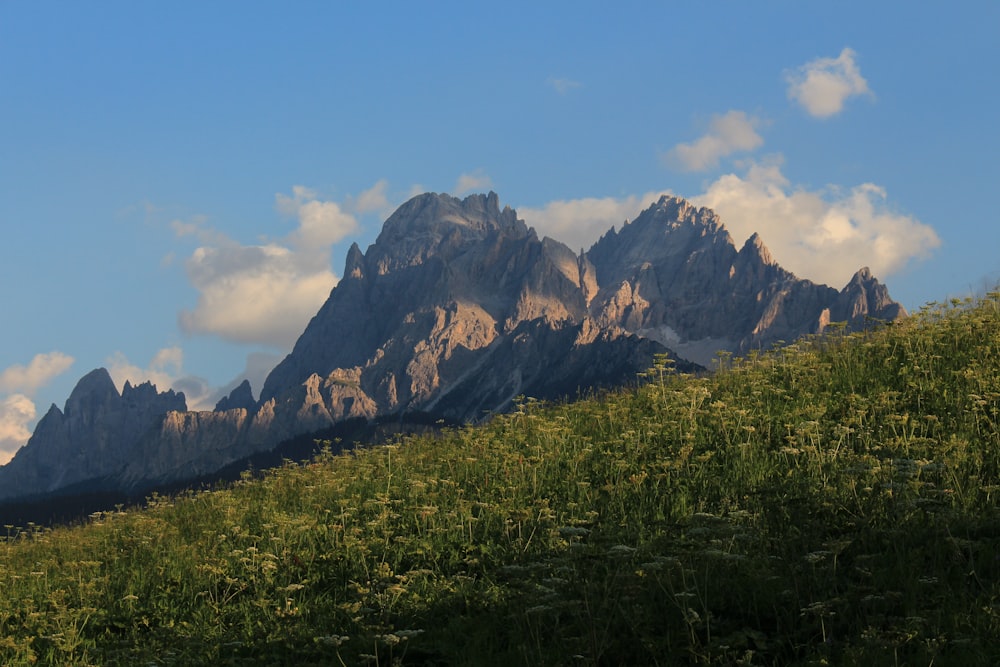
834	501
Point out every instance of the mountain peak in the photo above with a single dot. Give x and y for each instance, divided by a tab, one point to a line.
671	230
354	267
96	433
673	206
240	397
863	275
477	213
755	245
432	223
94	387
679	210
864	296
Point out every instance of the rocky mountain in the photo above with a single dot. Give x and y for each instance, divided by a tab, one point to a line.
674	275
95	433
455	310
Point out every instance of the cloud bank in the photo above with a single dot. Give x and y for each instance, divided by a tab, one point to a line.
372	200
476	180
580	222
266	293
823	235
254	294
729	133
17	409
822	86
38	373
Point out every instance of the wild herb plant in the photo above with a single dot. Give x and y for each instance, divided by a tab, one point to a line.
831	502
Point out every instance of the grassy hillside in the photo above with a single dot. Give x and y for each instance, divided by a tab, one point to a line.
833	503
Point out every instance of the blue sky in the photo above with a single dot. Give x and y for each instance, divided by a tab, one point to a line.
180	182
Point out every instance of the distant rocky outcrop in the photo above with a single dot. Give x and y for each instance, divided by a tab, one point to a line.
93	436
455	310
240	397
674	275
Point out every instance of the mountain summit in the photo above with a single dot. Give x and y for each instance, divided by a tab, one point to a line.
455	310
674	275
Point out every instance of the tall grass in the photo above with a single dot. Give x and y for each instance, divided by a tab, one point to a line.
833	502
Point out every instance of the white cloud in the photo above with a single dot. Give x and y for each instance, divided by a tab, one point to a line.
17	411
373	200
477	180
727	134
198	227
822	86
255	294
823	235
266	293
39	371
321	223
580	222
563	85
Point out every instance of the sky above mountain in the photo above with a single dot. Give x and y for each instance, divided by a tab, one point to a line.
181	181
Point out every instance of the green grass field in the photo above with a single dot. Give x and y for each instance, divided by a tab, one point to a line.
834	502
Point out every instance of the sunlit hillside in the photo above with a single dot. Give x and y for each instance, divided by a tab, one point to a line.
834	502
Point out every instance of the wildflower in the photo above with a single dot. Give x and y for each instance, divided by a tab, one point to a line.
538	609
332	640
817	556
620	550
818	608
573	531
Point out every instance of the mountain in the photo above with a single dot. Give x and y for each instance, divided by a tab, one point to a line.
96	432
453	290
674	275
455	310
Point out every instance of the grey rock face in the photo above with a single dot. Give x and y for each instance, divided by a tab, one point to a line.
674	275
443	282
240	397
93	437
456	309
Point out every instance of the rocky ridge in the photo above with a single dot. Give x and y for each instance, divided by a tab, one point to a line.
456	309
96	432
